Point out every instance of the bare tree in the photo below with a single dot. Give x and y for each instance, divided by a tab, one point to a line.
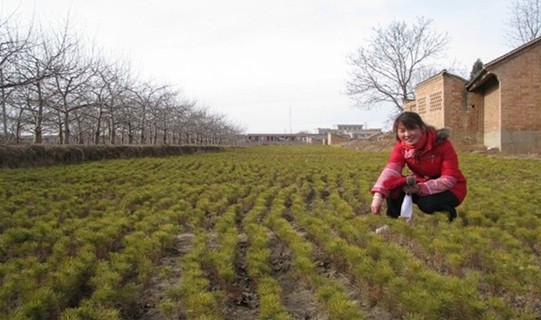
49	83
147	98
110	92
13	47
524	22
42	61
183	123
393	61
73	84
26	63
163	116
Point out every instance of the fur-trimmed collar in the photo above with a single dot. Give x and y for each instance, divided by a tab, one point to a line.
442	135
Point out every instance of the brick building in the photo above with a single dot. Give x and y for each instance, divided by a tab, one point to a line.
500	107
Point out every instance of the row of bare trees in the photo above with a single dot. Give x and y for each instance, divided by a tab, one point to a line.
53	89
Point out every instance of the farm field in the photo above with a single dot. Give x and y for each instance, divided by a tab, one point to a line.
271	232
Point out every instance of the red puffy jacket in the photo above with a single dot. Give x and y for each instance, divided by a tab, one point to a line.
435	167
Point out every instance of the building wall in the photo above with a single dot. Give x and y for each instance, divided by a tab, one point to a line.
520	97
410	105
429	101
520	80
492	117
335	139
473	122
350	127
271	138
454	101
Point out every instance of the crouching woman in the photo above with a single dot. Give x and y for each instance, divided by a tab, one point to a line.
439	185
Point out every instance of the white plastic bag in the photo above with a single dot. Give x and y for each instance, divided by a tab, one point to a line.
406	211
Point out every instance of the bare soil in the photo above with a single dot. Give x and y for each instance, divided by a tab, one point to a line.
241	301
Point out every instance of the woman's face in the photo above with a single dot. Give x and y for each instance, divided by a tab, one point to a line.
409	136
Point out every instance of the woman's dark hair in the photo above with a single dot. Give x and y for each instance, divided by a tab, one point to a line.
410	120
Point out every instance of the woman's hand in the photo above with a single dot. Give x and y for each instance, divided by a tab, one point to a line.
377	202
411	189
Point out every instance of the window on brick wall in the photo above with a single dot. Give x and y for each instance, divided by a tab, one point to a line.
436	101
421	105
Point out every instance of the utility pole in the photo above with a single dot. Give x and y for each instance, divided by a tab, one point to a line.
290	131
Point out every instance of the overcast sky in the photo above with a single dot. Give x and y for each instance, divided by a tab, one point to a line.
268	66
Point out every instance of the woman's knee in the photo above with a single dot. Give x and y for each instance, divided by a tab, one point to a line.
427	206
440	202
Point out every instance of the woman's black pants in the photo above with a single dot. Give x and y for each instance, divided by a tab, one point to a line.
440	202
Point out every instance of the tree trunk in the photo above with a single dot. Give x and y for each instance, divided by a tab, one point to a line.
112	133
4	108
18	128
60	134
143	120
80	134
155	136
67	132
130	133
38	131
98	128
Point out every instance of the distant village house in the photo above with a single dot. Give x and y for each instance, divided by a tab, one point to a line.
324	136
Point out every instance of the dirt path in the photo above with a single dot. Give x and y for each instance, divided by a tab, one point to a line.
241	299
242	303
160	282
